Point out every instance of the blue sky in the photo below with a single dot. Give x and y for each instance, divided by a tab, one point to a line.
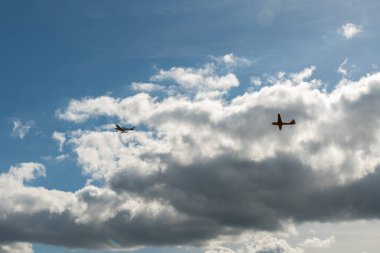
57	57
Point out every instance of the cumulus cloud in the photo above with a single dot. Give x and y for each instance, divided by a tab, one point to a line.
204	80
255	243
270	245
219	250
21	129
146	87
349	30
230	60
318	243
24	172
303	75
190	78
203	83
16	247
208	167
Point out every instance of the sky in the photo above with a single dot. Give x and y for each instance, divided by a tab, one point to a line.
204	171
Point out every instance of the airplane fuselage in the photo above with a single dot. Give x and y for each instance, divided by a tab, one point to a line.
123	129
282	123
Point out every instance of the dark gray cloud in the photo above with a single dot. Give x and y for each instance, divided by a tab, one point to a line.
211	196
258	195
62	229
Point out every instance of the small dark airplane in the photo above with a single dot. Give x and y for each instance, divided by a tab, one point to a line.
279	122
124	129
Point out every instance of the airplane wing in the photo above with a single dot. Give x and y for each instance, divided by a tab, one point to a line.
279	127
279	118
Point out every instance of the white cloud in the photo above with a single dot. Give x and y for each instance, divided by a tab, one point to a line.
318	243
203	83
253	242
303	75
79	109
349	30
16	247
61	157
58	158
176	117
219	250
146	87
255	81
342	70
60	138
21	129
19	199
270	245
230	60
201	79
24	172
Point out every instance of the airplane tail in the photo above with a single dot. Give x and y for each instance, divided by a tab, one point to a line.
293	121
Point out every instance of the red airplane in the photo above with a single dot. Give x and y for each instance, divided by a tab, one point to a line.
279	122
